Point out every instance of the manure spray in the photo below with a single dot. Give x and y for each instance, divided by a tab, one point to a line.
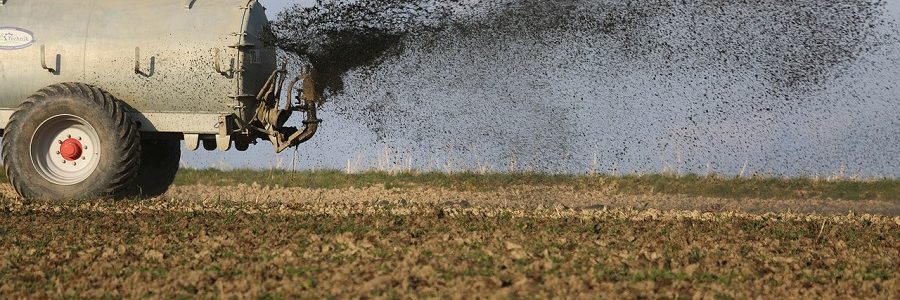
769	87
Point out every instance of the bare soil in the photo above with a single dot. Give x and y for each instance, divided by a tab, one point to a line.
525	242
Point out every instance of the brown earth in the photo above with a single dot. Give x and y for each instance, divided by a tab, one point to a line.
529	196
528	242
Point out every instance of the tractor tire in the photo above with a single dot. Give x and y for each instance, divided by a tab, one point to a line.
71	141
159	164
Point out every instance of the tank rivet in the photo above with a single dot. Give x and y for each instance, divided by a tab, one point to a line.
70	136
60	142
57	152
74	163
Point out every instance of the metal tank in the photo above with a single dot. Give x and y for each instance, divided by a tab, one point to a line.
193	70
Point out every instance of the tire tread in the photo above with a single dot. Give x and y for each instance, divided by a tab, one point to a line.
127	136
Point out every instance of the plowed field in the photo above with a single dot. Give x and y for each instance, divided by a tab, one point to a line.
250	241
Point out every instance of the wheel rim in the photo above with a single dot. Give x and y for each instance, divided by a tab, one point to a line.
65	150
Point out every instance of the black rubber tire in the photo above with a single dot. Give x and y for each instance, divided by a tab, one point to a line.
119	142
159	165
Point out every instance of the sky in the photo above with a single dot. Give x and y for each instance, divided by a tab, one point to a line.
274	6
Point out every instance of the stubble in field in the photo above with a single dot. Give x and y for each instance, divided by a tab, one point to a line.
215	242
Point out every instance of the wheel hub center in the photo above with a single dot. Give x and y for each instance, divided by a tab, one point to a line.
70	149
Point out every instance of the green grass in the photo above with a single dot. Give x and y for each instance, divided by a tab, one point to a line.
690	185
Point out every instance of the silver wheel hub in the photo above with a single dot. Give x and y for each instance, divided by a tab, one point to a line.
65	149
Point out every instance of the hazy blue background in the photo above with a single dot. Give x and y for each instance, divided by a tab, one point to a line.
275	6
583	119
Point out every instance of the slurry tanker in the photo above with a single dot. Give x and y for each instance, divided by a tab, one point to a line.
97	95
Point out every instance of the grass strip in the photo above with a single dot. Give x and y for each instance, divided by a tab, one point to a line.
653	184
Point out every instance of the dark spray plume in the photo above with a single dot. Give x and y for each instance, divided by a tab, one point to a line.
337	36
641	85
797	40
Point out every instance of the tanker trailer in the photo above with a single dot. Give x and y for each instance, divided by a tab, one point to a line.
97	95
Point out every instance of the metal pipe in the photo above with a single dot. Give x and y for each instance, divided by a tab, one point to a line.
309	130
312	124
290	91
44	61
268	85
310	97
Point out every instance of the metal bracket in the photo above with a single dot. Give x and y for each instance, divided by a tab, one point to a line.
242	45
44	61
223	125
182	122
137	63
223	139
189	4
223	143
242	96
192	141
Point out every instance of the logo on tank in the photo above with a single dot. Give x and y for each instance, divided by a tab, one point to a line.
13	38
